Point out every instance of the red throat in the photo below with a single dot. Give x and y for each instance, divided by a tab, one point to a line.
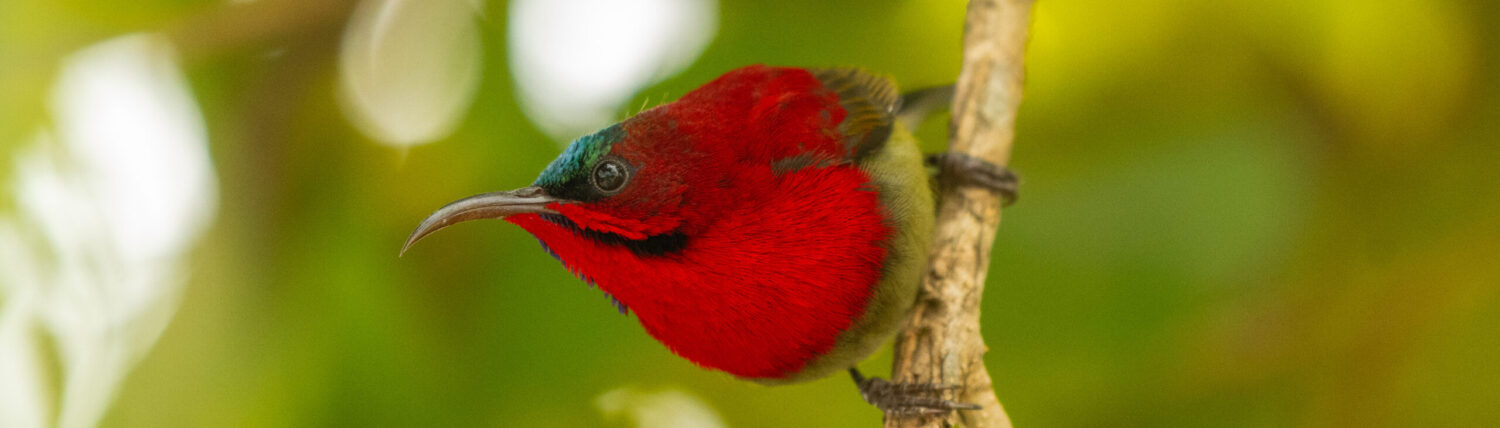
761	293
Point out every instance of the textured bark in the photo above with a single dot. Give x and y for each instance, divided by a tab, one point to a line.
942	343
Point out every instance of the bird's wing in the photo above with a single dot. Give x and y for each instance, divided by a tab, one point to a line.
870	102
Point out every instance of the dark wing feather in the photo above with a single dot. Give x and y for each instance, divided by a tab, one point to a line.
870	102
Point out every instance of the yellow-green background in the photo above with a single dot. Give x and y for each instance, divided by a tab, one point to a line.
1234	213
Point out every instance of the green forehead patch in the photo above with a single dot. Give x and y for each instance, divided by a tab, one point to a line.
582	153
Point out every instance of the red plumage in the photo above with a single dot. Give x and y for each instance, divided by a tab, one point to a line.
784	243
771	223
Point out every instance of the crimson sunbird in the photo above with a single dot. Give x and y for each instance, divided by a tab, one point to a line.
773	224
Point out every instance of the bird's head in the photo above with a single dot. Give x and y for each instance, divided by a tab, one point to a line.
626	182
672	170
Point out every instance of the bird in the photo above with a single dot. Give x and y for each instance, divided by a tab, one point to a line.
773	223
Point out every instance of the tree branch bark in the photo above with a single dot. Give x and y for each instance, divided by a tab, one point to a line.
942	343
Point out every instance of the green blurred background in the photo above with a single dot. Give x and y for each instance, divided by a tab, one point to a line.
1237	213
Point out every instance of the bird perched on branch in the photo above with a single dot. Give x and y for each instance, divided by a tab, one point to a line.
772	224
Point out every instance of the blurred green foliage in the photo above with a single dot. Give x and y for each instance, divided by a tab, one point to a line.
1240	213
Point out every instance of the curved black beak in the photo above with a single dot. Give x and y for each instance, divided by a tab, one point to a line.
482	206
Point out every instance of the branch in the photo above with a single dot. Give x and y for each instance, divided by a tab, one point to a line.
941	343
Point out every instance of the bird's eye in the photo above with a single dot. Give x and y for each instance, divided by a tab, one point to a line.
610	176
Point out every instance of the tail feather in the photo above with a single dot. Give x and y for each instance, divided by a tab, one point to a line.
918	105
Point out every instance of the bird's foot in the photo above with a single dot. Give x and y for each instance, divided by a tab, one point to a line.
907	398
963	170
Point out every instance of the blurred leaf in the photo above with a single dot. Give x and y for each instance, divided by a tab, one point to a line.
572	81
109	208
409	68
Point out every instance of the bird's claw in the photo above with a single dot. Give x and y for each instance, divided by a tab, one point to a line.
956	168
908	398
